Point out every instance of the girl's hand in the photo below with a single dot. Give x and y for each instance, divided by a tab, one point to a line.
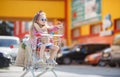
60	25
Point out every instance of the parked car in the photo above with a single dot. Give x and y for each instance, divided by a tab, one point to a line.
95	59
79	52
9	46
112	55
4	61
63	50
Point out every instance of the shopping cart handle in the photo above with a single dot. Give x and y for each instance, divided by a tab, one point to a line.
59	35
56	35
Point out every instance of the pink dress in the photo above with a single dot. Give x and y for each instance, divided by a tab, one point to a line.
48	43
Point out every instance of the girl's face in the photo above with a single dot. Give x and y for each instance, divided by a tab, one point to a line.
42	19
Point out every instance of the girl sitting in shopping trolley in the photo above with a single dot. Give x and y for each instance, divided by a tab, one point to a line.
38	29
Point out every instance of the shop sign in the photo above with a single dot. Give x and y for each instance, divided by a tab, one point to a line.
85	12
107	23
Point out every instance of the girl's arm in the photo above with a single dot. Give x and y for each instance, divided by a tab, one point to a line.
36	26
54	28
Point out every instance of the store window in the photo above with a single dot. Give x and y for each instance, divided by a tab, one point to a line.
95	29
27	25
117	24
76	32
6	28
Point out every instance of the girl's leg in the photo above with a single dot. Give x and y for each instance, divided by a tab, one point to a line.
54	50
53	53
42	49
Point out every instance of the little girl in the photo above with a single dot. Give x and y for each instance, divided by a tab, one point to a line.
39	25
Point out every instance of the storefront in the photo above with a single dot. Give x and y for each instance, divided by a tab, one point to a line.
94	21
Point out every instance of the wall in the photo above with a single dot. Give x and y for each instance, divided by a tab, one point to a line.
11	9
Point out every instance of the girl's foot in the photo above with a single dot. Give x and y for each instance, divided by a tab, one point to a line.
51	61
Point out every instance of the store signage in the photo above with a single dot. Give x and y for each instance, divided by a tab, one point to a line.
107	23
85	12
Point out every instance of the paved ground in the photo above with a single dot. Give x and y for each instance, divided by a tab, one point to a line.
66	71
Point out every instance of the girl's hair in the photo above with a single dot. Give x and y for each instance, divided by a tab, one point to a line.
37	15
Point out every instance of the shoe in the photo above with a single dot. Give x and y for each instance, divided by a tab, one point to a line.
55	62
50	61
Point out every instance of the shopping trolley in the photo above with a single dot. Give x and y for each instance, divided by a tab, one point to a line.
33	60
